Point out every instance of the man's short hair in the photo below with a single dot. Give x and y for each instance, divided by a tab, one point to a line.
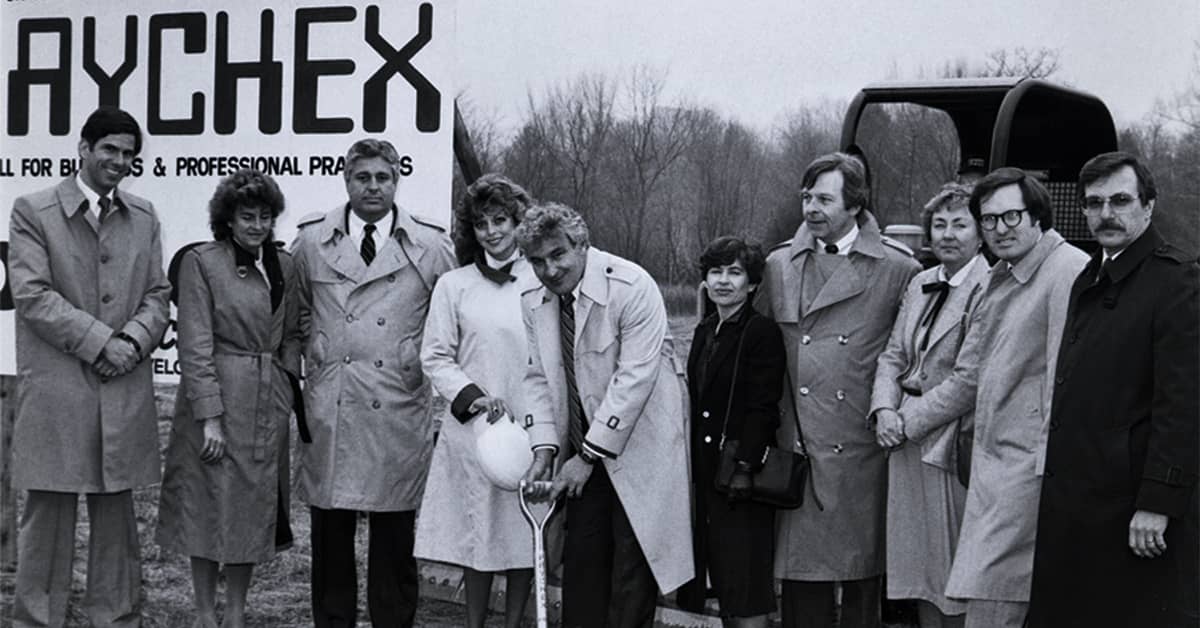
1033	194
951	197
369	148
108	120
545	220
856	191
726	250
1105	164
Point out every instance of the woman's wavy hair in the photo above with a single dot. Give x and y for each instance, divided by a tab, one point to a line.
488	194
245	188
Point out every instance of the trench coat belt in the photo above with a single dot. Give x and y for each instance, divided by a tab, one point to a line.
262	404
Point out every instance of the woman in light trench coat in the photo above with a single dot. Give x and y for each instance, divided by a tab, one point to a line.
225	488
474	351
925	493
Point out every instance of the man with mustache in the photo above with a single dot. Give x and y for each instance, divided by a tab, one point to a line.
1117	528
91	305
365	272
1005	370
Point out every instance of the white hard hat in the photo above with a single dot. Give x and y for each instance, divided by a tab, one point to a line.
503	448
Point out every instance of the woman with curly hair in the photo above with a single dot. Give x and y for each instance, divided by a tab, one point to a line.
224	492
474	351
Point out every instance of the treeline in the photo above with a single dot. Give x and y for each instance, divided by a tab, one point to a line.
658	179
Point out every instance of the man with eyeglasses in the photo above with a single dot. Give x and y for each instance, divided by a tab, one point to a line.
1006	372
1117	528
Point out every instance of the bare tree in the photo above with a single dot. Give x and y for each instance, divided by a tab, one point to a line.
1036	63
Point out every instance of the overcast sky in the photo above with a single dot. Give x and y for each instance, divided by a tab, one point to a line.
755	60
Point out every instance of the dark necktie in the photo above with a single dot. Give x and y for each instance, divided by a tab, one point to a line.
1103	268
105	206
831	249
942	289
367	250
566	332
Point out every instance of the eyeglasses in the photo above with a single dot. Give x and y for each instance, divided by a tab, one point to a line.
1120	202
1010	217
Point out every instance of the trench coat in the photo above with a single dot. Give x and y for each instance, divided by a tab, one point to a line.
925	497
1006	371
1123	437
632	394
75	282
474	344
368	403
832	347
235	356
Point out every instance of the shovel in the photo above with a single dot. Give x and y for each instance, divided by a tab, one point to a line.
539	548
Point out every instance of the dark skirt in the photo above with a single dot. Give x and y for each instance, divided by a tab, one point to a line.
735	543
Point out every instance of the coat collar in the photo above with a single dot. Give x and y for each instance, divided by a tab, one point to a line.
869	241
959	300
594	283
1025	269
1129	259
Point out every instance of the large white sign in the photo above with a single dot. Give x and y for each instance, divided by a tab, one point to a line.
283	86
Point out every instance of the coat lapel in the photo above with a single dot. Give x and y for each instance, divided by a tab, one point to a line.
846	282
337	249
593	289
957	303
545	324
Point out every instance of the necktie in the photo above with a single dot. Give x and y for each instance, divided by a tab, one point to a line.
1100	271
367	250
943	290
831	249
566	332
105	206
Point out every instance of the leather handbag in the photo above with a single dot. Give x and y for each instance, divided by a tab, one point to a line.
781	478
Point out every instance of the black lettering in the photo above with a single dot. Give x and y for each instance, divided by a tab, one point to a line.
406	167
109	84
193	27
429	99
268	72
57	78
307	72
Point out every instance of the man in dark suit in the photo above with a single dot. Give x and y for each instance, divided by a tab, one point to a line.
1117	530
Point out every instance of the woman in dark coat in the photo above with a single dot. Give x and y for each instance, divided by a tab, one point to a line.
734	538
224	490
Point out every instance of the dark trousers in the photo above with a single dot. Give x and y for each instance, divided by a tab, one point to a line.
811	604
606	579
391	569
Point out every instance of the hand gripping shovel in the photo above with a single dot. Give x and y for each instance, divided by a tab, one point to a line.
539	548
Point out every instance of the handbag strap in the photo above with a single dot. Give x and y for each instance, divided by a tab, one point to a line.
737	358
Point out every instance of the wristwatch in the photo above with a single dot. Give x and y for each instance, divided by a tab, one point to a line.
127	338
588	456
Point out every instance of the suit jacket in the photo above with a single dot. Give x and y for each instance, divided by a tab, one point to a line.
832	347
368	403
75	282
631	394
1123	437
895	367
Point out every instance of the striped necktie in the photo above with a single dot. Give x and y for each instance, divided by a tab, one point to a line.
367	250
577	422
105	207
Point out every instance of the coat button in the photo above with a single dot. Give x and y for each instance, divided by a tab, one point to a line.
346	359
924	376
804	390
340	276
392	278
837	449
1048	474
378	363
805	339
841	395
375	404
349	318
704	414
1053	425
708	439
380	322
842	339
106	298
608	270
103	258
1058	380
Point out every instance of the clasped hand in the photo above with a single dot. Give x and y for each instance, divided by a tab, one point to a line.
117	358
494	406
570	479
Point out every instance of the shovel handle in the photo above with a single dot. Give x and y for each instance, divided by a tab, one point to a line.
538	525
